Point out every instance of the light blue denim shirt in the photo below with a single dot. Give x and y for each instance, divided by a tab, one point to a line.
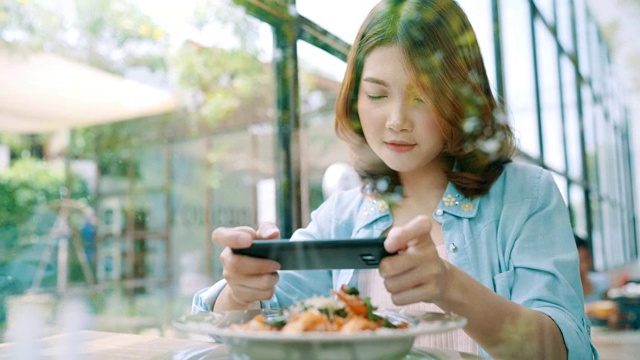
516	240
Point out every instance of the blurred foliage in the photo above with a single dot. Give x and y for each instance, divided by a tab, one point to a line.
22	145
30	25
108	142
113	35
216	79
612	31
632	2
224	16
31	183
30	194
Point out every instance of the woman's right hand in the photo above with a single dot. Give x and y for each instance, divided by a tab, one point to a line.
249	279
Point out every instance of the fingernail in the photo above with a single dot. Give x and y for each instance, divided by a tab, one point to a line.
275	267
269	230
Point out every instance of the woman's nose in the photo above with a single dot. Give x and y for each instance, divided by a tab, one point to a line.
397	119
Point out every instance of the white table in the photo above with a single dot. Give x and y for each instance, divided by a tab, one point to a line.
99	345
616	344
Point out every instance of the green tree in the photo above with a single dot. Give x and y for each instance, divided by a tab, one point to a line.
108	34
30	183
28	193
217	79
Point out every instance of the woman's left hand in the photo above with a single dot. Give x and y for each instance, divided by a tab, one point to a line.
416	273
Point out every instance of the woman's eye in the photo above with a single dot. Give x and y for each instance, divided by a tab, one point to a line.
376	97
419	100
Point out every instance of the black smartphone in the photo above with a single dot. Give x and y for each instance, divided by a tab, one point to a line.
319	254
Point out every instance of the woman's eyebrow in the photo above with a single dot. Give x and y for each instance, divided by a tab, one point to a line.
375	81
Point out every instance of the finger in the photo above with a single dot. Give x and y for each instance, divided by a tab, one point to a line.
237	238
264	282
249	289
424	282
416	285
268	231
399	264
414	295
246	265
420	255
414	276
401	237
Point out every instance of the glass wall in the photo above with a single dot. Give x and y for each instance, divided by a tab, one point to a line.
519	73
571	122
546	62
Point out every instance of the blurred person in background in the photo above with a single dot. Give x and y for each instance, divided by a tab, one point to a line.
599	309
594	284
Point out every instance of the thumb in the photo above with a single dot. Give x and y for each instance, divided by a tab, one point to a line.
268	231
402	237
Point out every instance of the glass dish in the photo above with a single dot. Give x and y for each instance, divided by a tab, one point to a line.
268	345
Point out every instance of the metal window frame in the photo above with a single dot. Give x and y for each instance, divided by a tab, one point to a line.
289	27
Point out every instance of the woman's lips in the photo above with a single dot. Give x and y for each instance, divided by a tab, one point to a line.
399	146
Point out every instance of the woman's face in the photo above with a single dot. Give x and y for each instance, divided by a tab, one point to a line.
399	126
585	260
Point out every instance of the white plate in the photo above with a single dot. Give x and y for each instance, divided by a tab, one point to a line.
222	353
370	345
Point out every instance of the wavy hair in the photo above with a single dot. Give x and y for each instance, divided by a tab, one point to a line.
443	57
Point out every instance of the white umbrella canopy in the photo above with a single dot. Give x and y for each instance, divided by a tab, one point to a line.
43	92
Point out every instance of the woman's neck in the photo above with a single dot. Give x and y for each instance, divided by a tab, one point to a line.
425	187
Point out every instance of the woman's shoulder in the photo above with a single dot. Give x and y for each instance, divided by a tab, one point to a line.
344	201
520	176
347	196
522	170
522	182
337	215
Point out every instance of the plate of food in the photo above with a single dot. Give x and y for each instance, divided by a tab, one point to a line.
341	326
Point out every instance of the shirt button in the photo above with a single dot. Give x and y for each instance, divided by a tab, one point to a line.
453	247
439	212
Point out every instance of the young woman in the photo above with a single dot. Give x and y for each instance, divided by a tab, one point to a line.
477	235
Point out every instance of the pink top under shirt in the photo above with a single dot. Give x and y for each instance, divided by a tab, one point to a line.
372	285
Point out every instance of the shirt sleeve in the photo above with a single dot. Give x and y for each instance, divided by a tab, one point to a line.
544	272
298	285
292	285
204	299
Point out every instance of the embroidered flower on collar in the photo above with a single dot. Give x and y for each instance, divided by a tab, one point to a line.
449	200
381	205
467	207
374	205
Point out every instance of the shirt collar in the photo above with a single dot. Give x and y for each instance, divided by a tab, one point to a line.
374	208
454	203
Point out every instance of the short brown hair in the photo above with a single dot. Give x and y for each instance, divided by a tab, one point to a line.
442	54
